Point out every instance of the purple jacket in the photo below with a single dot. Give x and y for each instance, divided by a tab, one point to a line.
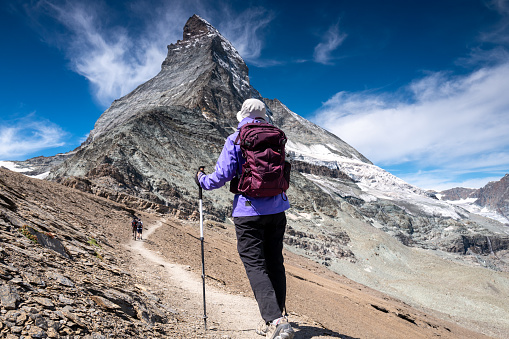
230	163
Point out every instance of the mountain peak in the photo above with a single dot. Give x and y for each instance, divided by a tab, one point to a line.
203	71
196	27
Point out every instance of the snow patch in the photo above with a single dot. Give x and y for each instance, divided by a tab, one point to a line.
14	167
469	205
462	202
40	176
305	215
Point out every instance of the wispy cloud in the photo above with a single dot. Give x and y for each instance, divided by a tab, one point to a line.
27	135
332	39
244	31
451	122
502	6
112	58
116	58
500	32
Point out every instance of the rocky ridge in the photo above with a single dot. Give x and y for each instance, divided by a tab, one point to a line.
201	72
494	196
38	167
458	193
62	274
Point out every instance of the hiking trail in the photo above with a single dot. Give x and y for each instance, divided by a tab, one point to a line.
230	315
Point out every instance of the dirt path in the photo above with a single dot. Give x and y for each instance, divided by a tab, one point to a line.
229	315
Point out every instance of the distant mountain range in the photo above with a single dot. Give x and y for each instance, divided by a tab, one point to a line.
492	200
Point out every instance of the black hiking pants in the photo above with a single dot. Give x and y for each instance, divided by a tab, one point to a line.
260	246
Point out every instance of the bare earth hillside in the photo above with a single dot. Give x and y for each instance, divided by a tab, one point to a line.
102	284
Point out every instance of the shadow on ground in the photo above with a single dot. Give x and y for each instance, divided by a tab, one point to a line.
147	241
309	332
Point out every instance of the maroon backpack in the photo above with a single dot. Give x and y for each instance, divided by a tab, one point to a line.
265	172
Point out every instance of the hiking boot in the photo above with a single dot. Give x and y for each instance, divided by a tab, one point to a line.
282	330
262	327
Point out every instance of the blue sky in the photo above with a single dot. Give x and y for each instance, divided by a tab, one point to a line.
421	88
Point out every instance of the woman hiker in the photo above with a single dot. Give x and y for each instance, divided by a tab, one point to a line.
260	225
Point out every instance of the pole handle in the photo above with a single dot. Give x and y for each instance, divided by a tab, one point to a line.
200	191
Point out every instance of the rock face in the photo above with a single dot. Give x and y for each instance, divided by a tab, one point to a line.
202	72
494	196
459	193
146	147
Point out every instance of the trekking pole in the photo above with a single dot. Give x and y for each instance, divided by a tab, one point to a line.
202	168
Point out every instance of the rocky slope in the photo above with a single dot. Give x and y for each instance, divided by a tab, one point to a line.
146	147
68	269
62	273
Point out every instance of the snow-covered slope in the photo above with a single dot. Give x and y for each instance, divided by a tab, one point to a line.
24	169
312	144
374	182
11	165
469	205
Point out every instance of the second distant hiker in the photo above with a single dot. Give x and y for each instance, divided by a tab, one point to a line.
139	228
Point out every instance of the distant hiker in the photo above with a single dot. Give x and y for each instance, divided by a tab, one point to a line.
134	225
139	228
260	220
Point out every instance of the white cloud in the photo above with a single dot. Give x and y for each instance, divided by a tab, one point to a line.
116	59
28	135
332	39
113	59
452	122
